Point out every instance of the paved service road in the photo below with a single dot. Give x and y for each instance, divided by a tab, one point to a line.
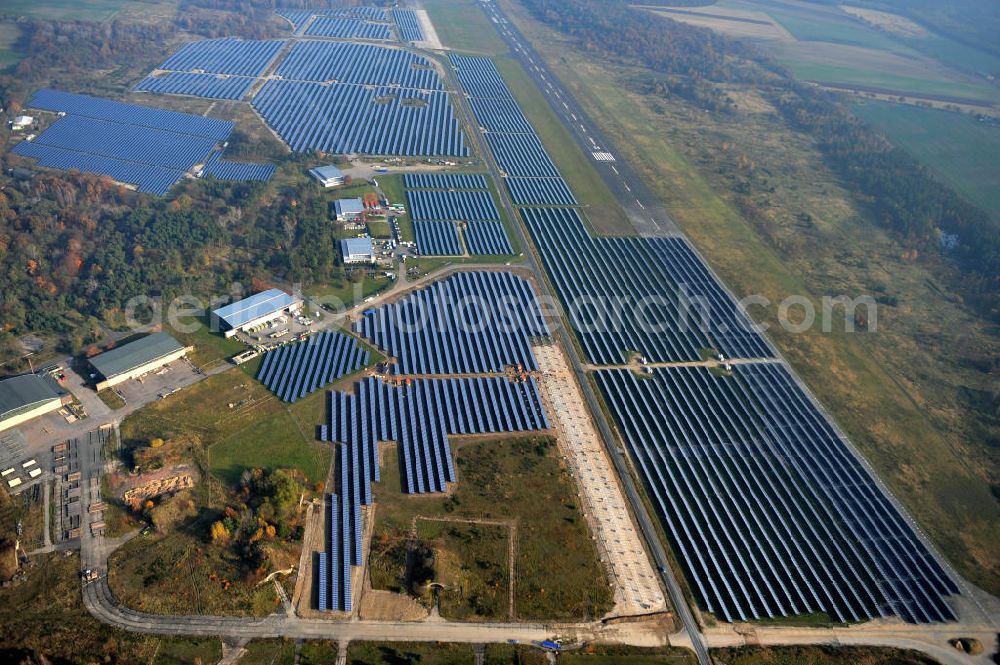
647	214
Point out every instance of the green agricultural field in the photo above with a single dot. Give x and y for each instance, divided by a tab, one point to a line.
270	652
958	148
65	10
9	55
611	655
880	80
183	651
557	571
820	655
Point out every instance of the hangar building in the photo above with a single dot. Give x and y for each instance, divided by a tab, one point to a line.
357	250
137	358
28	396
258	309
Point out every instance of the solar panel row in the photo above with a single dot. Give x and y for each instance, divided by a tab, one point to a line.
444	181
480	78
500	115
453	205
347	28
146	178
143	145
130	114
358	63
352	118
472	322
521	155
409	26
771	512
540	192
419	417
211	86
487	238
238	57
437	238
295	370
146	147
297	17
244	171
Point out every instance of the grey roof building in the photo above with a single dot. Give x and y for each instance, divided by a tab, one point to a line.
348	210
328	176
357	250
27	396
136	358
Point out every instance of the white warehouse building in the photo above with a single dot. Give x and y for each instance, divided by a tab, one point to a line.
256	310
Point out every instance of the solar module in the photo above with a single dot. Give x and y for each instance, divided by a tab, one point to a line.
454	205
769	509
472	322
445	181
367	64
295	370
244	171
239	57
212	86
409	26
438	238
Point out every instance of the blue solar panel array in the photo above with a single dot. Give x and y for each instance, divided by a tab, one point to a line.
540	192
347	28
480	78
297	17
130	114
472	322
500	115
358	63
521	155
296	370
212	86
409	26
437	238
771	512
454	205
487	238
244	171
147	147
675	308
444	181
238	57
353	118
419	416
146	178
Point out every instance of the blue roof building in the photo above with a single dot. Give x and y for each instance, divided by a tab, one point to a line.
357	250
258	309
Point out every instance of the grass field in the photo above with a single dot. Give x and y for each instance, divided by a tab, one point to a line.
464	27
871	78
65	10
273	443
9	55
184	651
904	395
558	573
957	148
269	652
612	654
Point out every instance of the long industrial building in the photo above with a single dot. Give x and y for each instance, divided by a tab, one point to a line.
28	396
136	358
256	310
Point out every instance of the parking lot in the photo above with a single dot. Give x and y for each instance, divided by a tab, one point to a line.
635	583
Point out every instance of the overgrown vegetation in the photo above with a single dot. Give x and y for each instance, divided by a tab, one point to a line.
514	483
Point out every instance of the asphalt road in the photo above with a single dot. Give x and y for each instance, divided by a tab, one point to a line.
645	212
